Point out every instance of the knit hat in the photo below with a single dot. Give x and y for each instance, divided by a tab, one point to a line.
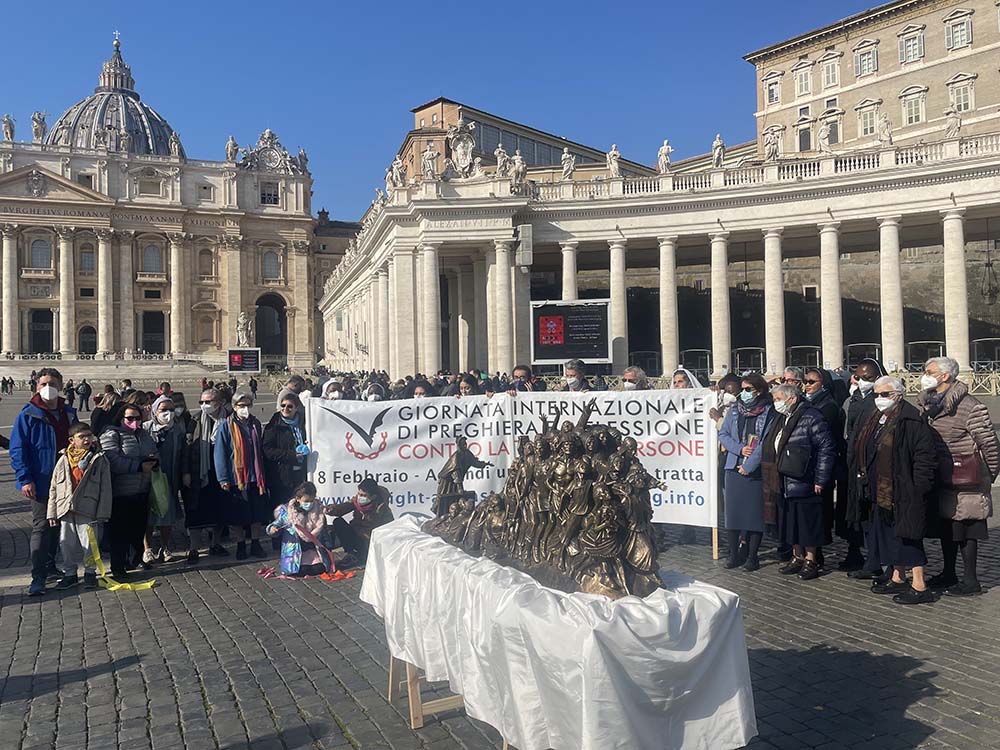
240	395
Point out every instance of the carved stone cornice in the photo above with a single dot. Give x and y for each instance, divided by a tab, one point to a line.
66	233
178	238
300	247
10	231
104	235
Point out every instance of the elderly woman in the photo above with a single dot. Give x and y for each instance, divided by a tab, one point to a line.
741	434
969	461
132	455
204	499
634	379
285	450
239	462
170	437
896	460
818	388
799	454
684	378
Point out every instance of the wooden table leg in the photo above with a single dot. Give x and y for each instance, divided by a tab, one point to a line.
413	693
715	542
393	679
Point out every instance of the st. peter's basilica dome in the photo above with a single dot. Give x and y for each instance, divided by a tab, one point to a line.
115	118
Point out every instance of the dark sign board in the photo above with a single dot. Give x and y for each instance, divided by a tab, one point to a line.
570	330
244	360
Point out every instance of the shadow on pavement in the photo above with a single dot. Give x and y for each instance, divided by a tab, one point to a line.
292	739
30	686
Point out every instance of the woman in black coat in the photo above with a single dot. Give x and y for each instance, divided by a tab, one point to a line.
285	451
897	460
799	456
818	390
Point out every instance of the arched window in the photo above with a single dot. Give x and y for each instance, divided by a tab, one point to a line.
152	259
206	263
271	267
206	330
87	257
41	254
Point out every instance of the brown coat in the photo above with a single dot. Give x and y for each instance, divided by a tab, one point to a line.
91	500
965	427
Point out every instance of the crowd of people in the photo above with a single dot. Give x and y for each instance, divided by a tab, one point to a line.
144	462
804	458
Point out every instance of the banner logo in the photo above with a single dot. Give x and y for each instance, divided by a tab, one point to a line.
367	435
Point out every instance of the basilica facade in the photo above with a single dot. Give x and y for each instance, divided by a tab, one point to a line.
118	245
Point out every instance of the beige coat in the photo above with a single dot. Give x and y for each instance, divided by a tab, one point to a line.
91	500
965	427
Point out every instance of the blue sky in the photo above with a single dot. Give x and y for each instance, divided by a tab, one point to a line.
340	78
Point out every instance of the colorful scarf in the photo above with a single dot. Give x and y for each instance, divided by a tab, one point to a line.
755	408
79	460
240	456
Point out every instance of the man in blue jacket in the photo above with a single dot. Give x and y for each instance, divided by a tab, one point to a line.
40	431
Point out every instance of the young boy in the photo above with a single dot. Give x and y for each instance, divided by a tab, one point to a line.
80	498
371	510
299	557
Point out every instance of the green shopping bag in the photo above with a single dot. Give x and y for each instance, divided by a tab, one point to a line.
159	494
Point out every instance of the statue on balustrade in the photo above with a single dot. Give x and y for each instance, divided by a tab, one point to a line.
718	151
7	124
174	143
952	123
884	130
503	161
38	126
125	141
823	138
663	157
611	159
575	511
772	145
232	149
244	329
519	168
398	172
428	162
568	164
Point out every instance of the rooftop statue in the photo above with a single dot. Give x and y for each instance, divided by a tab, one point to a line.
663	157
612	158
232	149
503	161
7	124
38	126
568	164
428	162
718	151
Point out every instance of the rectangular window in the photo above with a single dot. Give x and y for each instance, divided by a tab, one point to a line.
810	293
866	122
149	187
269	193
206	193
804	111
773	92
87	291
912	111
699	285
831	74
491	138
87	180
834	127
831	103
805	139
911	48
958	34
151	294
866	62
87	260
961	98
803	82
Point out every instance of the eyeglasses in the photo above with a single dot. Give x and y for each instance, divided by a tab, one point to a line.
791	380
628	380
287	406
206	402
811	382
748	389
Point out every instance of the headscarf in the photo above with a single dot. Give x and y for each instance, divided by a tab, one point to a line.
154	424
695	383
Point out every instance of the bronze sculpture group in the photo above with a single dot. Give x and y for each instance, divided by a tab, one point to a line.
575	511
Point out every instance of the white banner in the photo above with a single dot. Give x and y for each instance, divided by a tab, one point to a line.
403	444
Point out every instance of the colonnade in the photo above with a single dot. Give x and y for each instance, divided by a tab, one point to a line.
489	301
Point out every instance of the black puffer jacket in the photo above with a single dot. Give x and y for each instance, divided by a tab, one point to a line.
810	435
284	468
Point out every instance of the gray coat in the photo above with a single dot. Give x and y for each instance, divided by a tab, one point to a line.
126	450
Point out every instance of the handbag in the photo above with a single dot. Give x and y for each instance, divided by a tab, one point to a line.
794	462
966	471
159	493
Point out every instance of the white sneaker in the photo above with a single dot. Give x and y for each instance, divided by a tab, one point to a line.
166	555
149	556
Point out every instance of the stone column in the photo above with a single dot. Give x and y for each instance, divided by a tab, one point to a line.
466	318
382	291
774	302
669	340
178	295
301	346
891	293
67	291
504	313
619	307
521	278
105	293
569	290
393	329
419	311
404	321
491	313
480	317
956	292
126	298
11	315
721	341
454	305
830	305
431	287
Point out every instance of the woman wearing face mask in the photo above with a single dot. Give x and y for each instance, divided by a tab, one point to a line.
818	390
799	455
896	459
181	413
132	455
375	392
332	391
742	431
239	461
204	499
634	379
286	453
170	437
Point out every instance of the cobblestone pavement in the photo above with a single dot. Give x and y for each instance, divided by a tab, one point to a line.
216	657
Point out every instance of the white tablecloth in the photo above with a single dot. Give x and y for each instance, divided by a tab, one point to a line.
565	671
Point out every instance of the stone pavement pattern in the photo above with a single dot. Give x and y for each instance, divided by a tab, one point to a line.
216	657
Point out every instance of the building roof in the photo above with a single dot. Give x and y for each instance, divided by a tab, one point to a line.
114	109
844	26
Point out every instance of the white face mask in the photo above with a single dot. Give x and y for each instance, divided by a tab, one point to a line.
242	412
373	397
165	417
629	385
782	407
49	392
728	399
865	385
207	408
419	395
572	381
884	403
333	395
928	382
